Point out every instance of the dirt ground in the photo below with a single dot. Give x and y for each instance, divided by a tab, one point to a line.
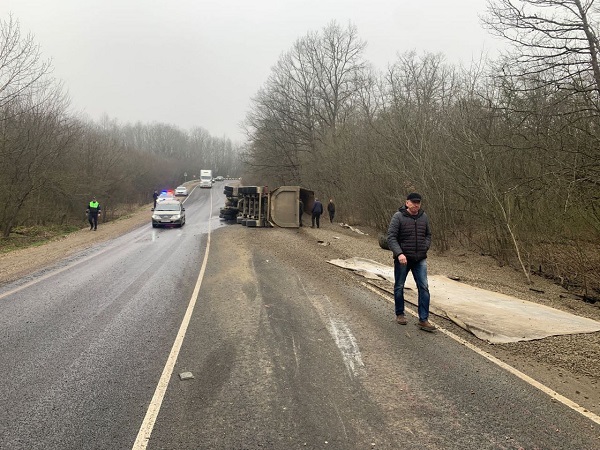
569	365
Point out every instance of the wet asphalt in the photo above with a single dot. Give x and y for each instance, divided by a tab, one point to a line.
281	356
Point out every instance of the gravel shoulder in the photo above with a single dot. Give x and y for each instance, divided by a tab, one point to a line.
569	365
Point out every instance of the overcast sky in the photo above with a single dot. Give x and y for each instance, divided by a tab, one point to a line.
198	62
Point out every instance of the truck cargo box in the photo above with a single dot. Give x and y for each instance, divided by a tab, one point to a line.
284	205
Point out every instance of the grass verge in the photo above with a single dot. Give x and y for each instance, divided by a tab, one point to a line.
31	236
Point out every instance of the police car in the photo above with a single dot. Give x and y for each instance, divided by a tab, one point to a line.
168	212
167	194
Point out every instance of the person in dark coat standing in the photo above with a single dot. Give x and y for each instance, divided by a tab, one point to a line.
409	239
331	210
317	210
155	197
92	212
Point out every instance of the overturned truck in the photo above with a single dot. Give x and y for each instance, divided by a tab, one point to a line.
257	206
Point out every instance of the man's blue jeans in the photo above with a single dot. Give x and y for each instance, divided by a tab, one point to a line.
419	271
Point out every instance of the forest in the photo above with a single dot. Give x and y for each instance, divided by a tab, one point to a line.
52	162
505	152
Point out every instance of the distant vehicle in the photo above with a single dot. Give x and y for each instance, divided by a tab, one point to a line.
219	178
181	190
206	179
168	212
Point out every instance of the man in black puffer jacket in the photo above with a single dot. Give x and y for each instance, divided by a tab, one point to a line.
409	238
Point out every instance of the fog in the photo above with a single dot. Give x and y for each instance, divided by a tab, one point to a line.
195	63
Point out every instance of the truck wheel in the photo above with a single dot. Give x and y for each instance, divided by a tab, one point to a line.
229	210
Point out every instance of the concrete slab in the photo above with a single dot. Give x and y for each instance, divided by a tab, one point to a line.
491	316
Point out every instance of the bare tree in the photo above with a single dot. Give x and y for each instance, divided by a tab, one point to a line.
35	131
555	44
546	116
34	137
23	73
312	92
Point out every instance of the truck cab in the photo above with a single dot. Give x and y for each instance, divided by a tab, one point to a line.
206	179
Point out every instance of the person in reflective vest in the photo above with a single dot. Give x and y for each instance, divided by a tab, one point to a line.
92	212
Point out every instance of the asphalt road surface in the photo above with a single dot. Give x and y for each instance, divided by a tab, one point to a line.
282	357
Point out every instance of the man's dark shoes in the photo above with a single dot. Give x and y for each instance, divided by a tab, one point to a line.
426	326
401	319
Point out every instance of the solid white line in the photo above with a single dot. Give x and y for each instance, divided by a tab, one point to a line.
545	389
143	436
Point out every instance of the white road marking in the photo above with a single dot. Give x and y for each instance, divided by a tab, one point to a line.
343	337
143	436
348	346
545	389
295	353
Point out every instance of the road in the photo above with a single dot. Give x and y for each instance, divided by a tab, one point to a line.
282	356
